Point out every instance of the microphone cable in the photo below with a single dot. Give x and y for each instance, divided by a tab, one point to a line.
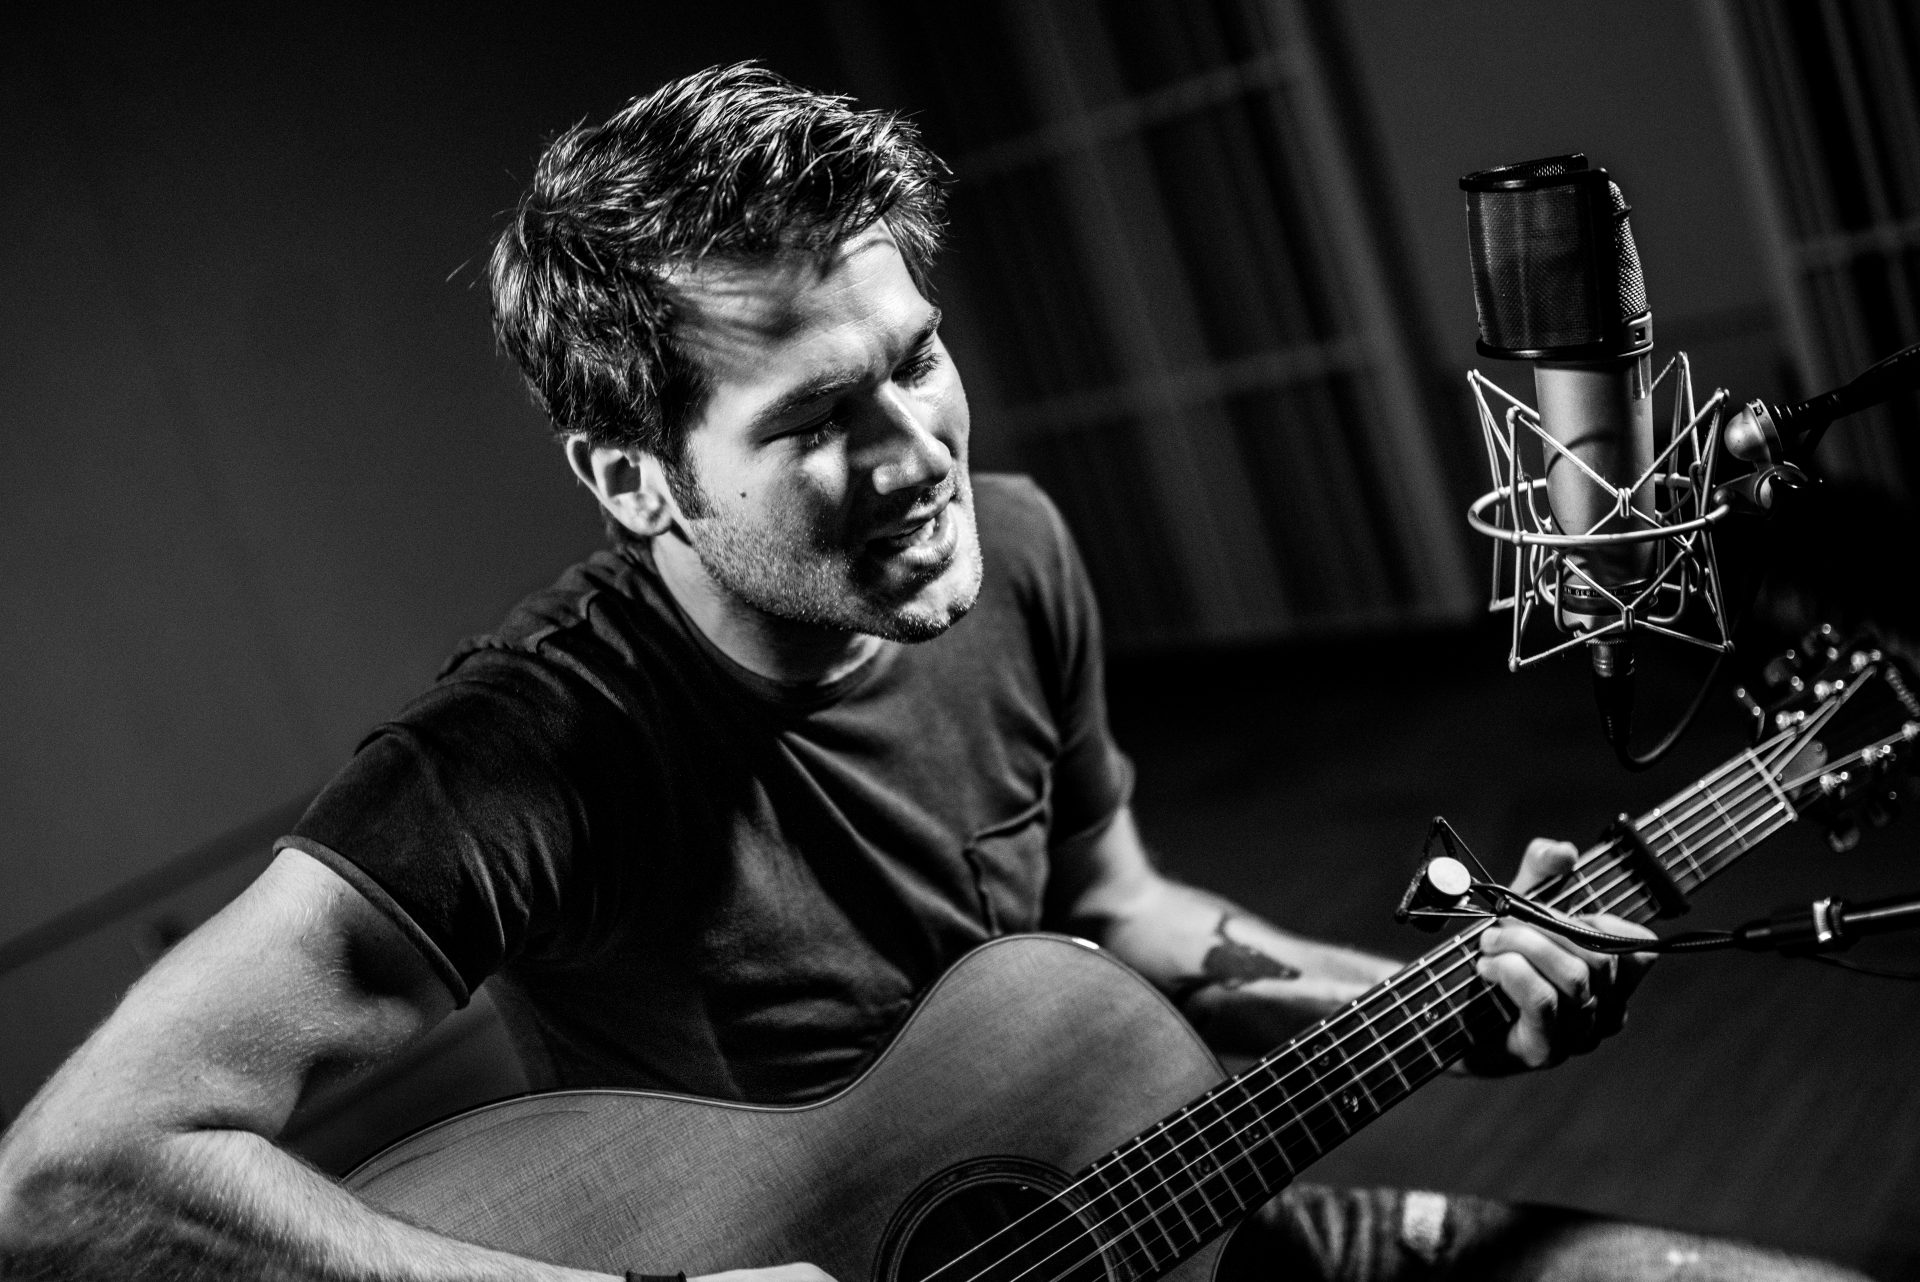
1796	932
1613	695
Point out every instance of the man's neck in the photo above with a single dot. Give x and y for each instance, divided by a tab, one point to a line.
778	649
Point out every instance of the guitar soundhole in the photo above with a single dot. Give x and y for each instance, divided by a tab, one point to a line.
994	1220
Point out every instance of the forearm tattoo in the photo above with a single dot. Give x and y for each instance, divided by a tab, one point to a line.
1230	964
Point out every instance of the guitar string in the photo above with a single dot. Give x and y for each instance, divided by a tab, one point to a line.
1434	979
1730	850
1358	1077
1581	881
1311	1121
1436	995
1724	856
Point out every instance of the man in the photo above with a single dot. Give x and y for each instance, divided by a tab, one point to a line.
721	803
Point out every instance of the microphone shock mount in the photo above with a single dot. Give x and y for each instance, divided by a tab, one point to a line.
1538	567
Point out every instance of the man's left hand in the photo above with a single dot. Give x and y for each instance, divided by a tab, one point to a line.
1567	998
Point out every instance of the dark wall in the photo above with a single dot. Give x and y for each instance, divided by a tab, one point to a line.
260	466
1455	86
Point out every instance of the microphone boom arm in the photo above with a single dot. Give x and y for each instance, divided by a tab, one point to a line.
1763	433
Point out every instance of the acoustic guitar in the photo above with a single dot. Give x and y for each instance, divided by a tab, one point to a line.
976	1148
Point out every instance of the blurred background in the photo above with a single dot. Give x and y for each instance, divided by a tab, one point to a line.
261	468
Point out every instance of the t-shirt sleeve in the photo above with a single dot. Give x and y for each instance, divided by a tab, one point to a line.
1092	778
461	818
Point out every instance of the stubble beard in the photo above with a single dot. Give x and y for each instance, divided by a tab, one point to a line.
830	586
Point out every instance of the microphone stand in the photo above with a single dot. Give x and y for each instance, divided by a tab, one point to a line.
1827	925
1765	434
1455	885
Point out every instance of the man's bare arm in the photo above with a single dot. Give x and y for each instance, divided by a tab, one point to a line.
1247	985
150	1154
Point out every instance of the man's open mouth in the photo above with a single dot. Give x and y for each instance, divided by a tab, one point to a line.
928	536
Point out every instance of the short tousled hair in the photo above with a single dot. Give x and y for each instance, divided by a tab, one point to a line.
735	164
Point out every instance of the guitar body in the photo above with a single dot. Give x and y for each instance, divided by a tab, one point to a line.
1032	1057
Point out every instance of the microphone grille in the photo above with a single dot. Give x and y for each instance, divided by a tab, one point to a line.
1630	284
1555	270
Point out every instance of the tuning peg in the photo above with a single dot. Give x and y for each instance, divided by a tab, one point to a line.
1843	834
1821	644
1782	672
1751	706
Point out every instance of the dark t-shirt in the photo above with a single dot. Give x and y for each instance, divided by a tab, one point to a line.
691	878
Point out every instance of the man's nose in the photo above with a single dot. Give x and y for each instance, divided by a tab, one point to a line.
908	454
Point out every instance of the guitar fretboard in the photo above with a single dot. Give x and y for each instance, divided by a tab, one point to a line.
1161	1196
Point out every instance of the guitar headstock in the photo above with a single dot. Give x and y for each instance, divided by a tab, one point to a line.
1836	735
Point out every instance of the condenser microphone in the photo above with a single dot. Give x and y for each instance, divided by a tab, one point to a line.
1557	282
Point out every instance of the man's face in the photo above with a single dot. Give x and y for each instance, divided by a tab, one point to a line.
832	450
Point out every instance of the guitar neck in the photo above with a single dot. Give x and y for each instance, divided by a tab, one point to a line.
1166	1193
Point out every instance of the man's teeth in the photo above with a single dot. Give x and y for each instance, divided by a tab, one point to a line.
918	534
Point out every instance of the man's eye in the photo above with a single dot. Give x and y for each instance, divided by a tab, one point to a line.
815	434
921	364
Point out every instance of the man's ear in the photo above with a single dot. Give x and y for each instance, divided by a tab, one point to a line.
630	484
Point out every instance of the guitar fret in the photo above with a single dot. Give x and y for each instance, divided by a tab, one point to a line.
1773	785
1143	1228
1582	889
1424	1020
1411	1028
1436	1009
1201	1170
1680	843
1372	1087
1451	1015
1166	1182
1354	1103
1371	1029
1294	1127
1404	1084
1326	1065
1339	1080
1226	1121
1254	1115
1733	828
1759	813
1293	1137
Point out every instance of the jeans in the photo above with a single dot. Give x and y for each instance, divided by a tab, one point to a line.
1311	1233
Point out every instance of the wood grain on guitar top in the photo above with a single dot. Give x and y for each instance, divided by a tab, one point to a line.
1033	1046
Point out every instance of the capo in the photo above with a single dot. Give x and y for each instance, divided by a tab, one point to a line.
1669	900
